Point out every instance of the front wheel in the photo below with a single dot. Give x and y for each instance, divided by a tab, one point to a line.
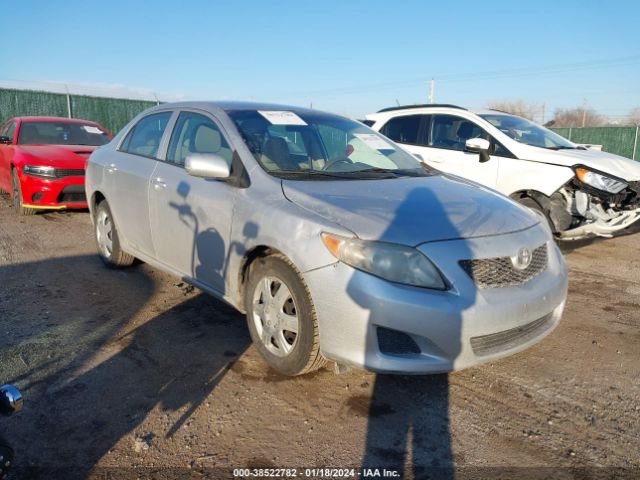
18	204
107	239
281	317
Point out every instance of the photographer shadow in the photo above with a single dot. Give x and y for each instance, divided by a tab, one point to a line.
409	425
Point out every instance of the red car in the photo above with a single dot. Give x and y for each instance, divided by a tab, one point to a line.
43	161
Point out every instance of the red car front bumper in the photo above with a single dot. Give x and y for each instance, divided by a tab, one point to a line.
53	193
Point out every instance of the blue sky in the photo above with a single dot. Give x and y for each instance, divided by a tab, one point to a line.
352	57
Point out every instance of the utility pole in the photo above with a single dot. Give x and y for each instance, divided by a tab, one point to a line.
432	89
584	112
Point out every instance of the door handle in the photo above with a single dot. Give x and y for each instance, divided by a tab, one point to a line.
111	168
158	183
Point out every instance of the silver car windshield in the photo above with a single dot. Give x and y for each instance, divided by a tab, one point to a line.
311	145
524	131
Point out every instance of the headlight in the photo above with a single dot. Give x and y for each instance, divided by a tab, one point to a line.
39	171
599	181
392	262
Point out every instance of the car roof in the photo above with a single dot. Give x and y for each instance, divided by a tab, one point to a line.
228	105
28	118
439	107
491	111
423	106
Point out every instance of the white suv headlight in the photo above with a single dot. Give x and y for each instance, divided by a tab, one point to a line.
396	263
600	181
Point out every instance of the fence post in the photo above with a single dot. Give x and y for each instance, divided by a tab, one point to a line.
68	102
635	143
569	133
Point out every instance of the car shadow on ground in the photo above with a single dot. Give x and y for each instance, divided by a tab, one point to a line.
113	365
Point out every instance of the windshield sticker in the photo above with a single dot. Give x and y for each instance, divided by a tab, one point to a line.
92	129
281	117
373	141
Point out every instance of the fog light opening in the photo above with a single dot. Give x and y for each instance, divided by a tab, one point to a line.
393	342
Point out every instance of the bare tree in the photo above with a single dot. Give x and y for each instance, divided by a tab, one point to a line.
578	117
634	116
518	107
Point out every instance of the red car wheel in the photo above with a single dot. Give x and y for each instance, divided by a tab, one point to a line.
17	196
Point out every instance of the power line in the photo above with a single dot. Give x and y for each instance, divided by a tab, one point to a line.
486	75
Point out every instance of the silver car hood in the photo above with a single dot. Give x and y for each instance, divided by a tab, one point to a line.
411	210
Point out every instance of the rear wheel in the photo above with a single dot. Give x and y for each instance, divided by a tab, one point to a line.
16	195
281	317
107	239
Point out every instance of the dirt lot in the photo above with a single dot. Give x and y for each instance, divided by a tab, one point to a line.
131	374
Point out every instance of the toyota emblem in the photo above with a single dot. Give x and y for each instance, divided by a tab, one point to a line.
522	259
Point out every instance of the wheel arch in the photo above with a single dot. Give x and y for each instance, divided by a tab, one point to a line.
96	198
540	198
253	254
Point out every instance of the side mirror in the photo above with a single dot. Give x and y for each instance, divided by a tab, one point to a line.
207	165
10	400
479	145
5	141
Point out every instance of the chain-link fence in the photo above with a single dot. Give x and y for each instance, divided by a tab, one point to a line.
112	113
115	113
619	140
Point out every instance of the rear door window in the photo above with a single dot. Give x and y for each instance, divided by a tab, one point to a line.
404	129
144	139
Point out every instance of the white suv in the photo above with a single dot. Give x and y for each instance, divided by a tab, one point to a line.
580	192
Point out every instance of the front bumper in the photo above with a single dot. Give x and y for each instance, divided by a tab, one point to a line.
53	193
455	329
603	226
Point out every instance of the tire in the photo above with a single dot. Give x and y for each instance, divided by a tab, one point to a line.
531	204
16	196
107	239
270	310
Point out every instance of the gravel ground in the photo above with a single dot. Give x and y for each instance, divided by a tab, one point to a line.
133	374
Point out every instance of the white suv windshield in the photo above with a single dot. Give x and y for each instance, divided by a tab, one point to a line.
524	131
306	143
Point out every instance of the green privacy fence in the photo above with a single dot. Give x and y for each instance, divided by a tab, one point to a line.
113	113
619	140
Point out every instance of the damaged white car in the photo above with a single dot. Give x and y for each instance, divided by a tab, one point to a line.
580	192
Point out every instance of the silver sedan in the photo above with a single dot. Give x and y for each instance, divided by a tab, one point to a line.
336	243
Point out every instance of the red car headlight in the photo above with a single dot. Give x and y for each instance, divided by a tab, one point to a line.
39	171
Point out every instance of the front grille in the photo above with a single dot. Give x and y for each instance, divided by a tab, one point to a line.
508	339
72	194
69	172
499	271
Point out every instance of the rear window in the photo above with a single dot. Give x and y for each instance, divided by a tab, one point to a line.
145	137
61	133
